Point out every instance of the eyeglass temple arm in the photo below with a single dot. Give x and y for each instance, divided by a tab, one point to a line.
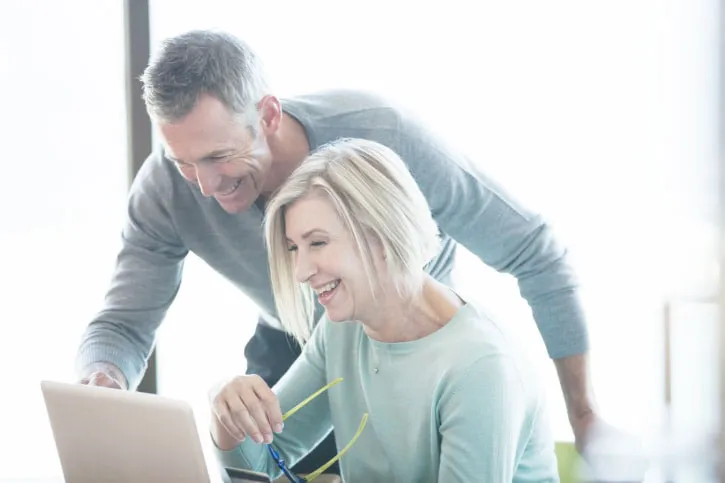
276	456
322	468
310	398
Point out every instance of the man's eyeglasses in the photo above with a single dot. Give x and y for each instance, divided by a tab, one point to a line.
280	461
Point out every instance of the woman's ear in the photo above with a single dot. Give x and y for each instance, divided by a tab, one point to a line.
376	246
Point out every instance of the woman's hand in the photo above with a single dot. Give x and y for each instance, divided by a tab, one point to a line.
244	406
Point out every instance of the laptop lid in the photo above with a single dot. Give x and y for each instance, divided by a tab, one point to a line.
111	435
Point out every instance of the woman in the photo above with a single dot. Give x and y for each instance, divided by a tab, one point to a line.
442	391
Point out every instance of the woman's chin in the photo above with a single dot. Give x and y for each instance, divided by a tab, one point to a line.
336	316
332	318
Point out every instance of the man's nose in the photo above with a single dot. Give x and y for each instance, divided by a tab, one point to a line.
208	179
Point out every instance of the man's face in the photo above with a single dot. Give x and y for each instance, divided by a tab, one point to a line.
215	150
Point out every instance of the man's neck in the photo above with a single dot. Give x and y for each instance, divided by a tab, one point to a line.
289	147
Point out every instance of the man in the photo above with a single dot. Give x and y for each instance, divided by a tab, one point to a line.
227	144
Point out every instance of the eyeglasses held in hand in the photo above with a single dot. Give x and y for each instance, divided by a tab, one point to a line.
280	461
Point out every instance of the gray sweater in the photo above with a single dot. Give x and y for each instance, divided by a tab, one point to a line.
168	217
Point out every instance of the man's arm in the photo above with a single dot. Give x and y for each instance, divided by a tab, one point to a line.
145	281
479	214
505	235
578	395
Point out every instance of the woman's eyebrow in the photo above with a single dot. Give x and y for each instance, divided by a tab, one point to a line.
309	233
313	231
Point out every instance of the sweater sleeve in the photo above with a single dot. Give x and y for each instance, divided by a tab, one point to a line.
480	215
302	431
144	283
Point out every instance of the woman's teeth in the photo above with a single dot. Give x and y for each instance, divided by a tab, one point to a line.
328	287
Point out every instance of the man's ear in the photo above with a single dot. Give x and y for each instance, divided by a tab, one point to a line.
270	114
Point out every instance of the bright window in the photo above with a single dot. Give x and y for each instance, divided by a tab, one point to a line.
62	200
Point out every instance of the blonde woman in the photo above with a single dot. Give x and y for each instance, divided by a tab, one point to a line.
431	389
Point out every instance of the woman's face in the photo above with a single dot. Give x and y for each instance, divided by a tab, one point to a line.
326	257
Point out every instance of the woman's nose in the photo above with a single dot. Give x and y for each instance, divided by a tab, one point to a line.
304	267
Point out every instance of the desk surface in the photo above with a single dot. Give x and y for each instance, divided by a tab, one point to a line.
59	479
32	480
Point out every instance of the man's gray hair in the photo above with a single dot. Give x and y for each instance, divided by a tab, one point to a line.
202	62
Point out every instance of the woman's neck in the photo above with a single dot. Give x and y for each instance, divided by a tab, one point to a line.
402	319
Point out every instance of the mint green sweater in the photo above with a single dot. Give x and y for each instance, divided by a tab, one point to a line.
460	405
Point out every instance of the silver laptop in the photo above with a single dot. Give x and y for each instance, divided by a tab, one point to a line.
109	435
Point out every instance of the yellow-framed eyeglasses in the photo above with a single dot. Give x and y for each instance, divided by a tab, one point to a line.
280	461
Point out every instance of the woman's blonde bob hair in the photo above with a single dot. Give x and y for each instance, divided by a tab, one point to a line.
376	198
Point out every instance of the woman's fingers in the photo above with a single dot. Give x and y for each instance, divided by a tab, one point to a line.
223	414
242	418
260	401
247	406
272	408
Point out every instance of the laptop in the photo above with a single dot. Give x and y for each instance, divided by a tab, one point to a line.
109	435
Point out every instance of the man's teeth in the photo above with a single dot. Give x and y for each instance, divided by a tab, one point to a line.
328	287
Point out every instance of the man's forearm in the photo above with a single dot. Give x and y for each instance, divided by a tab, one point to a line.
574	379
120	345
